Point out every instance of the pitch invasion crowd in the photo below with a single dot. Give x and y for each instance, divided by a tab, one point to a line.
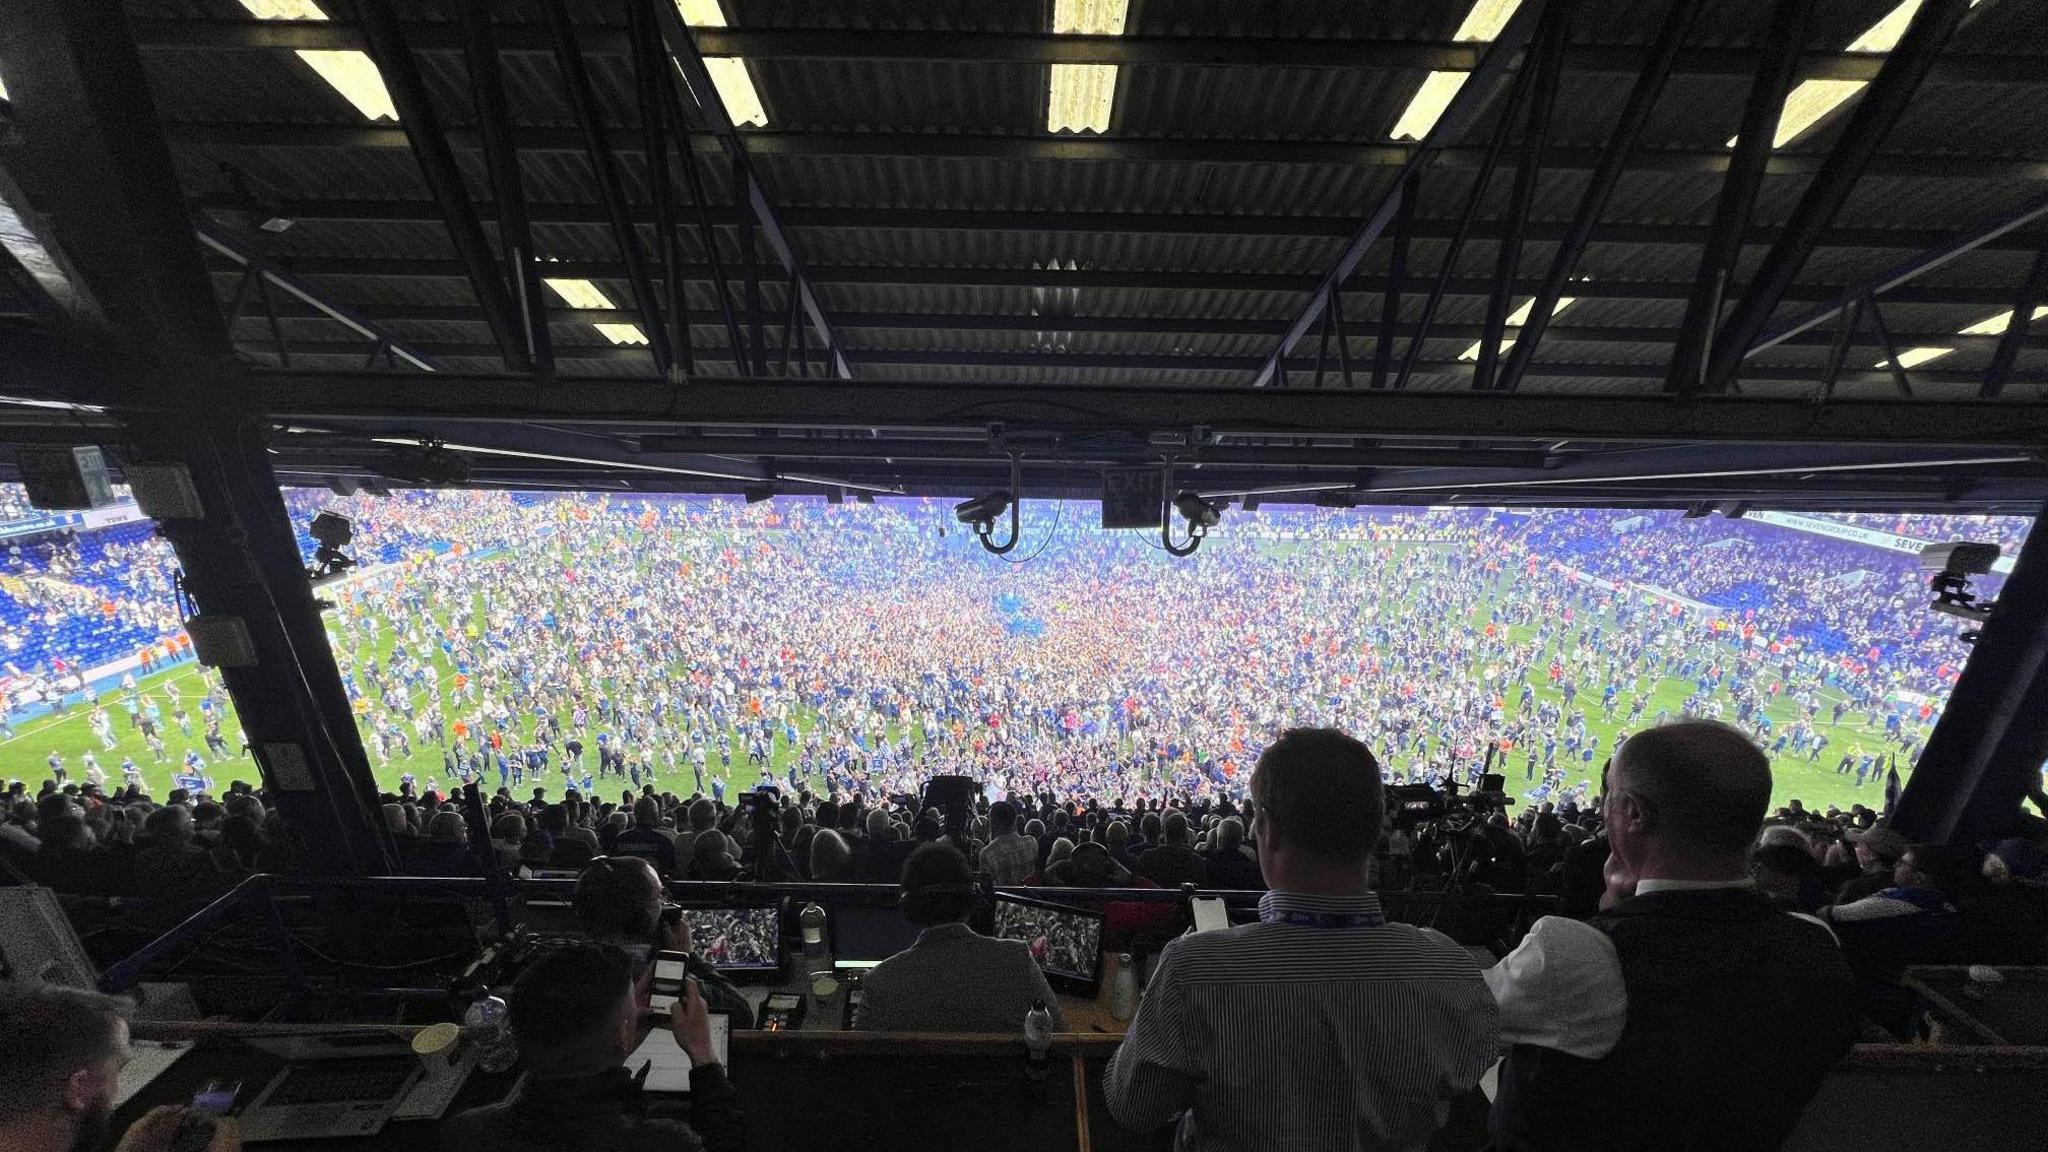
855	650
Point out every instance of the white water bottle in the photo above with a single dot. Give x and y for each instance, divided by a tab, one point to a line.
1037	1039
1123	994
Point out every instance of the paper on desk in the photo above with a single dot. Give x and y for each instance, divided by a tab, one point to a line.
671	1065
148	1060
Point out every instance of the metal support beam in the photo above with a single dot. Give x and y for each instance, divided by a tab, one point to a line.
672	114
1397	271
650	75
742	178
1733	209
2015	335
1635	114
1518	94
1526	416
1040	48
596	143
216	241
1476	93
1878	109
284	352
437	167
94	155
694	72
1552	36
320	212
515	232
1065	149
1891	347
242	560
1986	751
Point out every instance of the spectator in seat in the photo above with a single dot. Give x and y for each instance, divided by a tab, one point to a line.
953	979
1174	862
61	1052
1231	864
576	1016
1321	1026
445	851
831	860
1914	921
1010	856
646	839
1877	856
1689	1013
619	901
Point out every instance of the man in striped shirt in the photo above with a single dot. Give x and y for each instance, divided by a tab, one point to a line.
1322	1026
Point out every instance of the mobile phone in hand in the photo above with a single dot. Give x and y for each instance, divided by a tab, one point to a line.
214	1100
670	972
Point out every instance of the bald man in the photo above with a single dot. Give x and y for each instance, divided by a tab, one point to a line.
1689	1013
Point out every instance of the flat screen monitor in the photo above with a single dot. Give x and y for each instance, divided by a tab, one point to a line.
864	935
739	940
1066	941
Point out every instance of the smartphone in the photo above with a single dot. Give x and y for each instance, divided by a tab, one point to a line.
1210	914
213	1101
216	1098
670	974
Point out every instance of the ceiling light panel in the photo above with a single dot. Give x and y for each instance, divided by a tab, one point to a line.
728	73
1082	97
1483	21
348	72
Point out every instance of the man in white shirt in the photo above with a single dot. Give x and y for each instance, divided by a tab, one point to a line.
1689	1013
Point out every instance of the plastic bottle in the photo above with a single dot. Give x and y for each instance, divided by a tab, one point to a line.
1037	1039
1123	996
488	1025
817	953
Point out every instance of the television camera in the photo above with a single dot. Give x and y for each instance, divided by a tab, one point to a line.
1950	567
1448	824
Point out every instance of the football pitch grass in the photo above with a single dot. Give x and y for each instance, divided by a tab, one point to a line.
25	755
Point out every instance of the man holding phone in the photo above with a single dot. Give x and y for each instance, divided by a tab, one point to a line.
61	1052
577	1016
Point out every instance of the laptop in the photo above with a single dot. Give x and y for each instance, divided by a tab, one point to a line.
330	1099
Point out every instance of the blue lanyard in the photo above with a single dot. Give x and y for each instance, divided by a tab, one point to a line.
1325	919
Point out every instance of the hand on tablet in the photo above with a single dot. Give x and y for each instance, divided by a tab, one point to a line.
691	1023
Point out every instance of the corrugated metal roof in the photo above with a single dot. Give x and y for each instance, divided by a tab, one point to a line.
938	104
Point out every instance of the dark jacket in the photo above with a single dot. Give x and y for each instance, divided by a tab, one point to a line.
1735	1013
606	1112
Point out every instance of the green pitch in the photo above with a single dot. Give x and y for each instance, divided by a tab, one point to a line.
24	755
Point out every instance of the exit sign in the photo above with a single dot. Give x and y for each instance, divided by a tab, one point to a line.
1133	498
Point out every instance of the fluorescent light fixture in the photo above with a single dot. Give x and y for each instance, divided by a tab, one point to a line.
728	73
577	293
1081	97
1812	100
627	465
1516	319
1482	23
1915	357
348	72
1997	325
622	333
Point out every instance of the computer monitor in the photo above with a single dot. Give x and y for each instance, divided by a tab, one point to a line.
740	941
864	935
1066	941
